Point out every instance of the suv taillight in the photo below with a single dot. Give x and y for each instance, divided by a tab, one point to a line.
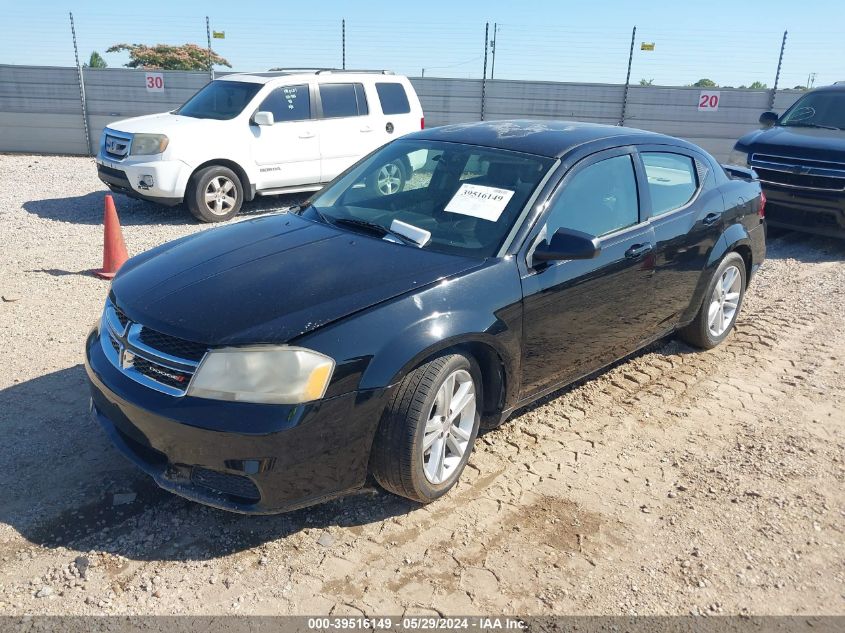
762	210
422	123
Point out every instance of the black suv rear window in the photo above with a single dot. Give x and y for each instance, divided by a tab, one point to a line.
393	98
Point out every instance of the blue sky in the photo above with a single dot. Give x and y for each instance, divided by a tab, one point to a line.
731	42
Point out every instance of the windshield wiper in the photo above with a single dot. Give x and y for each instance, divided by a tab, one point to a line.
814	125
374	227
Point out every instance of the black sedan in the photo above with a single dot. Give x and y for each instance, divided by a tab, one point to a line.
279	361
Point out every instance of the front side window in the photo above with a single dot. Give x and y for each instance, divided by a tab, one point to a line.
671	180
468	197
288	103
220	100
599	199
817	109
393	98
343	100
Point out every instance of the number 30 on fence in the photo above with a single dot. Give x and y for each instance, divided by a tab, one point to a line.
154	82
708	100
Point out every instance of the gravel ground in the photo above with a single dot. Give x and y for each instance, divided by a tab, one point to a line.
677	482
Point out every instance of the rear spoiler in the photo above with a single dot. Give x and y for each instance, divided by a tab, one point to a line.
743	173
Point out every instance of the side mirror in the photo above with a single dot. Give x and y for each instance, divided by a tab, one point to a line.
568	244
263	118
768	119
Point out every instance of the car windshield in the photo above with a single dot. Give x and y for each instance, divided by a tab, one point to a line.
467	197
817	109
220	99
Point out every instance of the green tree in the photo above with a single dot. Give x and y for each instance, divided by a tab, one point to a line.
96	61
646	82
166	57
758	85
800	88
705	83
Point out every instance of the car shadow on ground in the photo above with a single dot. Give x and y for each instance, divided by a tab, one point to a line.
88	209
67	486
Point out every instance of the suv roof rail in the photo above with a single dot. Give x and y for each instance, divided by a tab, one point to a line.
318	71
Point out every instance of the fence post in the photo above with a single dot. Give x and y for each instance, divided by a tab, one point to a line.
484	77
343	42
628	78
777	74
208	39
81	87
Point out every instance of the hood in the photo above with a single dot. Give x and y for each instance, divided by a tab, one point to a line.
800	142
269	280
161	123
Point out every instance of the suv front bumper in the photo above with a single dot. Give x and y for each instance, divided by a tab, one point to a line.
811	211
161	181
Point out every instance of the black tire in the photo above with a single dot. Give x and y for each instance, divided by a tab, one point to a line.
390	179
698	332
201	182
397	461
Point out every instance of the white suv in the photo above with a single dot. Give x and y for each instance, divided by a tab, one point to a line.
245	135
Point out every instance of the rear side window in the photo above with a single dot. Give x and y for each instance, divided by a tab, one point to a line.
343	100
289	103
599	199
393	98
672	180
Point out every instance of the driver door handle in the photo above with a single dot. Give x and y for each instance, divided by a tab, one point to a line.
307	135
711	218
366	128
638	250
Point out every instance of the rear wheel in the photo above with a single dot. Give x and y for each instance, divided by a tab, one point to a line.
390	178
214	194
427	433
722	301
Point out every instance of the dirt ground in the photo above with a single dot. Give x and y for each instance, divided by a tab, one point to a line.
676	482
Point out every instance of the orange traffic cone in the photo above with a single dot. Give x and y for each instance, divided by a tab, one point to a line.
114	248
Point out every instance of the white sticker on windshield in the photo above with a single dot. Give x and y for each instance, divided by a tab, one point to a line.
478	201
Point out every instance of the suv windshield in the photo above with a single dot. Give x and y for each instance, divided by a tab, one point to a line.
817	109
220	99
467	197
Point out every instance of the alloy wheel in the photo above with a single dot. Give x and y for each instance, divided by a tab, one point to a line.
220	195
389	179
449	427
724	301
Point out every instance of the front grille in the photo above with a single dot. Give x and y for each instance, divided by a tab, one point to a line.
160	373
235	485
114	343
808	181
173	346
116	146
121	317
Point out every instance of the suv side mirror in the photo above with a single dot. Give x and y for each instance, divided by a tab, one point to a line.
568	244
263	118
768	119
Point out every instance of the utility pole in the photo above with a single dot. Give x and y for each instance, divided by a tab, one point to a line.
81	87
493	50
208	39
777	73
811	79
484	76
628	77
343	41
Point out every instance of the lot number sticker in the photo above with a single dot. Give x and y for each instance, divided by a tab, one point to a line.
708	100
478	201
154	82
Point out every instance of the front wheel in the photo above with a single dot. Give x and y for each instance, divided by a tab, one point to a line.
214	194
390	178
427	432
722	301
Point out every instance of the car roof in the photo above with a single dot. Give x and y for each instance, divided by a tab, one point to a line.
553	139
303	74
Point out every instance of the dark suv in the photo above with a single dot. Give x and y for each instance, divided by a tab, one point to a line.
800	158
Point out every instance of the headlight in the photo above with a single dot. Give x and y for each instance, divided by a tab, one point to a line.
738	157
278	375
146	144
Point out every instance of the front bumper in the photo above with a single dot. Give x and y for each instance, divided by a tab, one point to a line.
161	181
242	457
811	211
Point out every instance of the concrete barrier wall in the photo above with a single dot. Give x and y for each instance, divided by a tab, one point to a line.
41	111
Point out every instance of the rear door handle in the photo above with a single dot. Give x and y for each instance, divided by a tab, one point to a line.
366	128
638	250
307	135
711	218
